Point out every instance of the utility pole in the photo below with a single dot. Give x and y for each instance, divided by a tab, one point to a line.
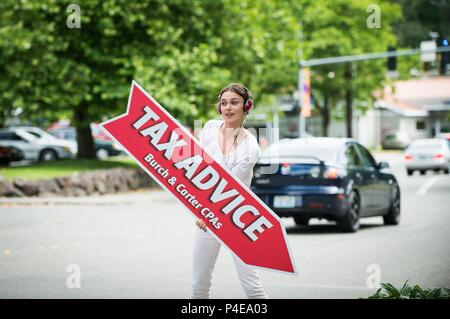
349	100
301	119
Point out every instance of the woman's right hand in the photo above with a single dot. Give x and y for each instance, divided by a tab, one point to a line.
201	224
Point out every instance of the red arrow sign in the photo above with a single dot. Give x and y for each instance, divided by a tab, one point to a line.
174	158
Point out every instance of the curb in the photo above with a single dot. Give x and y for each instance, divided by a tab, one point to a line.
126	198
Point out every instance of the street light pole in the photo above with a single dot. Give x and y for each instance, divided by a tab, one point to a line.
301	119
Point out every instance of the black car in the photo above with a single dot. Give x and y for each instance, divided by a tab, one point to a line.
331	178
10	154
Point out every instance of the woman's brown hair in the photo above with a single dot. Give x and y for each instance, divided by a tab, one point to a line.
238	89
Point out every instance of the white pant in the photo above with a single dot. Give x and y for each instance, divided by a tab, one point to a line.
206	250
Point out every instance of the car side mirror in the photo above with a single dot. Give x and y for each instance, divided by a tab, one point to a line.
382	165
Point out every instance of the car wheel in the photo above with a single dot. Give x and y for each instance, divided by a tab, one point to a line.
48	155
350	222
409	172
446	171
422	172
301	221
393	214
102	153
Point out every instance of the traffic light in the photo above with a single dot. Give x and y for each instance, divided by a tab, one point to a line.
392	61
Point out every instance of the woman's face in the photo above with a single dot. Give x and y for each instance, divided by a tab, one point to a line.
232	108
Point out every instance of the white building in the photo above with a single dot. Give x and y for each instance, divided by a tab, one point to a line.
408	110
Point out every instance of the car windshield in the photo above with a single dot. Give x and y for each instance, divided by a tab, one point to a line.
38	133
34	134
26	135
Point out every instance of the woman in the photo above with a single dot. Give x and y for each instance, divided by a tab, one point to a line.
229	143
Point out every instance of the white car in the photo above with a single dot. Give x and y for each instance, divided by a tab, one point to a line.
36	144
427	154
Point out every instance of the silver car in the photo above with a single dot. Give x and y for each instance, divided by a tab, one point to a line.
36	144
427	154
395	140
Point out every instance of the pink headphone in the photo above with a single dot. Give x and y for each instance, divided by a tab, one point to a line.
248	105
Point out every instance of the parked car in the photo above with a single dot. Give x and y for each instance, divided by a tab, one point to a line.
44	135
331	178
427	154
395	140
10	154
36	144
103	147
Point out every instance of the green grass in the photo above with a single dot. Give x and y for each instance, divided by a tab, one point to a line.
63	167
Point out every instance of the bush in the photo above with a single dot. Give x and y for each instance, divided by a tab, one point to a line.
388	291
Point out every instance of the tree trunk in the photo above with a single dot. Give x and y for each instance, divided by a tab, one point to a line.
349	100
324	112
2	119
84	135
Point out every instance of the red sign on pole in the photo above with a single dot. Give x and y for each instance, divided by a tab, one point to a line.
174	158
306	92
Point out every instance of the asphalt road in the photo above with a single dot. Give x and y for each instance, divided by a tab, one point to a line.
138	245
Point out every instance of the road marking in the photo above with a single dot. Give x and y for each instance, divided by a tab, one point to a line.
425	187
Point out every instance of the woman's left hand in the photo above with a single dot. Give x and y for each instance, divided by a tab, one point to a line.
201	224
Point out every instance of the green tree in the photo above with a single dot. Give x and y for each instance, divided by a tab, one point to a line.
421	17
337	28
181	51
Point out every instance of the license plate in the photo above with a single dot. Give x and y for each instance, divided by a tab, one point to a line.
284	201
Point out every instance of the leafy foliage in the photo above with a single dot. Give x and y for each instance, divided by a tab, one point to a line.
338	28
388	291
181	51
